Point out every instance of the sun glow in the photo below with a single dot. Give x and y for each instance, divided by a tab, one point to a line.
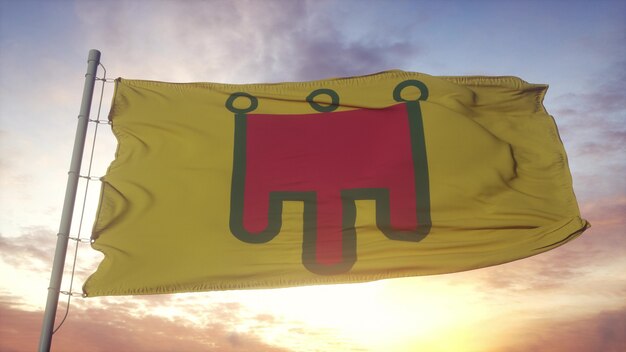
390	315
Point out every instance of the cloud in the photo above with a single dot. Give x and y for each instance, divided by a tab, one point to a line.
183	322
591	119
604	331
243	41
32	250
593	131
116	329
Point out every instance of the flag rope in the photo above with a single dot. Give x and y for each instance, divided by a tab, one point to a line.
88	179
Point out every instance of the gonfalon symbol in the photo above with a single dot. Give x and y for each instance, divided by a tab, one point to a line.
328	160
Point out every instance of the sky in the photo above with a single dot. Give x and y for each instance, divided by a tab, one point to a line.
569	299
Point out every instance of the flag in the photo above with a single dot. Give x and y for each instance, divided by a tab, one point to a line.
395	174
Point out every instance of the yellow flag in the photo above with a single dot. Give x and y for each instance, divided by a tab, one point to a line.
218	186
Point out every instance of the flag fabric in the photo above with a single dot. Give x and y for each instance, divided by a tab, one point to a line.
225	186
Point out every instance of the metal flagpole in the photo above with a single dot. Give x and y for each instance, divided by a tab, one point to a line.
68	204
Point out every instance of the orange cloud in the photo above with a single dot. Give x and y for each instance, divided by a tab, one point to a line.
96	329
604	331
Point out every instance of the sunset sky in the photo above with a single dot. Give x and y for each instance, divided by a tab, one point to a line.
570	299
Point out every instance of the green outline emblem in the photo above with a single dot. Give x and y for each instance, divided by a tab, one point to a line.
348	196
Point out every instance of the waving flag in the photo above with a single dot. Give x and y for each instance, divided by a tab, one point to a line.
218	186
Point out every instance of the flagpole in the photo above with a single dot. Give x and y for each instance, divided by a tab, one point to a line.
68	204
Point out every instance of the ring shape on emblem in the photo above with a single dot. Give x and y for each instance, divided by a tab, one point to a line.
397	92
230	103
334	100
